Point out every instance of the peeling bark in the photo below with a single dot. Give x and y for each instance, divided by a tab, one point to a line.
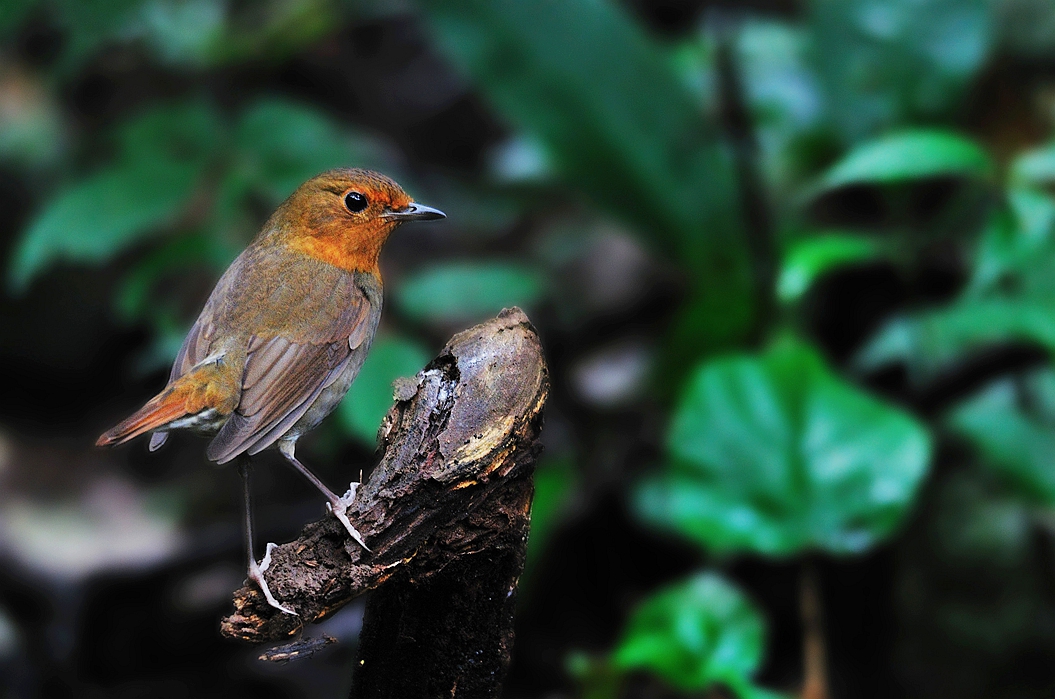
445	513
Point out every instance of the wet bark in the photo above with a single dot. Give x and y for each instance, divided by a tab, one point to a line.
445	513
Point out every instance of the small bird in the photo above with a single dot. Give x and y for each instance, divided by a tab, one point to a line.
284	333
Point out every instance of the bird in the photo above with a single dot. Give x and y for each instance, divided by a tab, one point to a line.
283	334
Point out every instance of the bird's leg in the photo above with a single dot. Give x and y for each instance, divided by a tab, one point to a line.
256	570
338	505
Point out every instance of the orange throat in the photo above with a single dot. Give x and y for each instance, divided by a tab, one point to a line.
360	255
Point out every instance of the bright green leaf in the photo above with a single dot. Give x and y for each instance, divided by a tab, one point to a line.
694	634
813	257
908	155
370	396
468	290
1018	444
775	454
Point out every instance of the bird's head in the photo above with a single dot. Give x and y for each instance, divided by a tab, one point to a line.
344	216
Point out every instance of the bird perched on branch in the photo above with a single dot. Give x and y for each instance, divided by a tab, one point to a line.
284	333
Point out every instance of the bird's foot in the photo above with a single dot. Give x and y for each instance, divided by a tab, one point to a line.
339	508
256	574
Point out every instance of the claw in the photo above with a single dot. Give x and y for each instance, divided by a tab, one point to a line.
256	574
340	511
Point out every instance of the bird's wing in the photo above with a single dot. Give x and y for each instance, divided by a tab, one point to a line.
307	334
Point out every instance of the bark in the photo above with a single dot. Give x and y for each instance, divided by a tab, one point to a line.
445	513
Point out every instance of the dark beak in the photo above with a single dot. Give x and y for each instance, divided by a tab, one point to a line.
416	212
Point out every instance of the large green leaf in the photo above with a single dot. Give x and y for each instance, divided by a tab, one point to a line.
908	155
775	454
161	156
605	104
466	291
1017	443
694	634
887	63
370	396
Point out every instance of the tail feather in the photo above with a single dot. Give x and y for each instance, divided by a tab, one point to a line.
158	412
207	387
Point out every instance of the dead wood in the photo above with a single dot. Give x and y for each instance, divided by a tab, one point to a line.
445	513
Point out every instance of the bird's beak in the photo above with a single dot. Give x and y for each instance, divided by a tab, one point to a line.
416	212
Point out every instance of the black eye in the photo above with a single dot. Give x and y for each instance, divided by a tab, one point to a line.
355	201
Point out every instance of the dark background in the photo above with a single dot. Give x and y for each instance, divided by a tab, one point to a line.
646	179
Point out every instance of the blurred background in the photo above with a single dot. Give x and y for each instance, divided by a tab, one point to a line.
793	264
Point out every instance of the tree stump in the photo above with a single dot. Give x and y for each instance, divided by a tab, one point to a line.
445	513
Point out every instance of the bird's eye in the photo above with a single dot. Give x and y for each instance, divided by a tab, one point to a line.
355	201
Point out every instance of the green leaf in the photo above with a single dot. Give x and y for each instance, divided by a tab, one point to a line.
370	396
281	144
776	455
101	215
605	105
1018	444
929	341
811	258
463	291
694	634
887	63
908	155
161	156
1035	167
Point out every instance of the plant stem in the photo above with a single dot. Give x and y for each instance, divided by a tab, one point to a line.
814	652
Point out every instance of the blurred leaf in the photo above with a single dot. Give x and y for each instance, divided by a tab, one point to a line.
782	92
1035	167
162	154
182	31
776	455
554	484
370	396
101	215
1015	238
813	257
605	106
885	63
929	341
281	144
1016	443
694	634
908	155
468	290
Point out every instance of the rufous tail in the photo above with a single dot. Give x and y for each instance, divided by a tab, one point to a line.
190	394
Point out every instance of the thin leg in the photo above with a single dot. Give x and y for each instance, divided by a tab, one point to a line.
256	570
339	506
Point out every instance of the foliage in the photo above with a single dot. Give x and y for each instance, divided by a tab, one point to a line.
694	634
776	455
462	292
370	396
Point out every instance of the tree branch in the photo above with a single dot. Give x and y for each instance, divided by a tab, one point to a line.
457	451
